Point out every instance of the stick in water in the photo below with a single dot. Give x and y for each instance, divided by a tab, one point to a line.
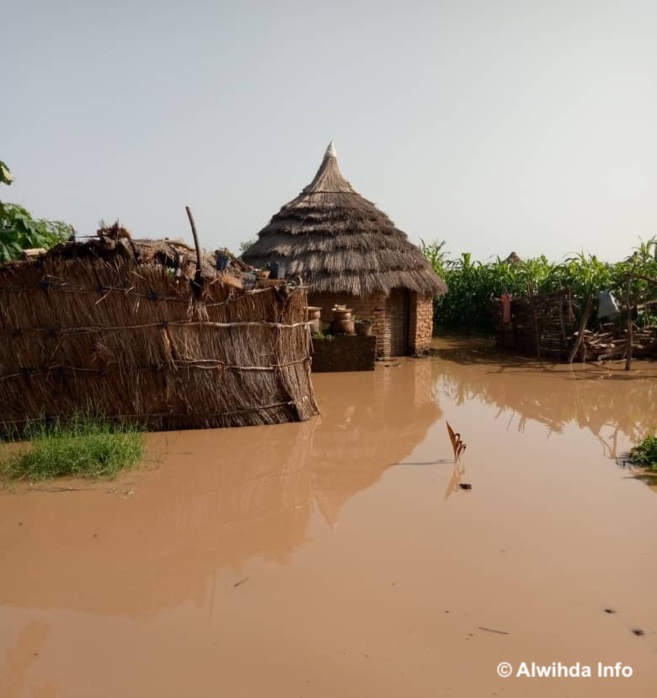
492	630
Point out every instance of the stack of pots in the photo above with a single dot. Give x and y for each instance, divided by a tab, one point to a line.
314	321
342	321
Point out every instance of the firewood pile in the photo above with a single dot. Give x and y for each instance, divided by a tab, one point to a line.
611	344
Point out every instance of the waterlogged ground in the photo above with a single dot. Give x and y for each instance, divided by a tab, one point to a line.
340	557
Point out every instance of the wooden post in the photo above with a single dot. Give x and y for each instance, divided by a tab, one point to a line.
537	336
628	341
563	326
196	245
582	326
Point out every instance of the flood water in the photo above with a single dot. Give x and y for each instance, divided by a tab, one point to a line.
340	557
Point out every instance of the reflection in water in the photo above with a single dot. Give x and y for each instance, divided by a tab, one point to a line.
650	480
455	480
217	499
600	399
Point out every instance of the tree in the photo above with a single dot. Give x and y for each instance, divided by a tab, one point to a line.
19	231
5	178
244	246
5	174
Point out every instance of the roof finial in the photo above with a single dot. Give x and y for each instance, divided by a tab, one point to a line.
330	151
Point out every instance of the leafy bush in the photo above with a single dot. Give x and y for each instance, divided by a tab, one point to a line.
5	175
19	231
645	453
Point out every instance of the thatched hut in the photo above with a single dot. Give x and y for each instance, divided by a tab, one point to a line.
349	252
132	331
513	259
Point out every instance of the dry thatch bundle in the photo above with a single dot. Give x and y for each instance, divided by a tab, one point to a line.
118	328
115	241
339	242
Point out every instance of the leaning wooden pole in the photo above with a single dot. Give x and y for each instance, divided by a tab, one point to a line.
630	333
196	245
582	327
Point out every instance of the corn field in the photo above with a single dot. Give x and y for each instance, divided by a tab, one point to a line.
472	285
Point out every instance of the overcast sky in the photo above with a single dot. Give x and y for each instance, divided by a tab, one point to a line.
526	125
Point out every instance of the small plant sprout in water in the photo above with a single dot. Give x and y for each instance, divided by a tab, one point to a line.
457	444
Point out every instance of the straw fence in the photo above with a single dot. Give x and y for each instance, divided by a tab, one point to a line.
540	325
119	329
546	326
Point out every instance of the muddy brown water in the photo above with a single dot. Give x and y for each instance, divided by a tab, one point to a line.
340	557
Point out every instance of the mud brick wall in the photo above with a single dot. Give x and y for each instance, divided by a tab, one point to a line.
343	353
373	307
378	308
420	323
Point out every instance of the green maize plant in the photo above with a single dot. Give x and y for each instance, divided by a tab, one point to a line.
472	285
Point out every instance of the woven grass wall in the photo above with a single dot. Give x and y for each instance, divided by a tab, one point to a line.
131	342
541	325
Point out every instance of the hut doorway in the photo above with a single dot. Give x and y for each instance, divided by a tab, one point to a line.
399	306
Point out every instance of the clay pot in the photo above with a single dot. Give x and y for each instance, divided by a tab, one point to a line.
364	329
343	327
314	318
342	313
342	322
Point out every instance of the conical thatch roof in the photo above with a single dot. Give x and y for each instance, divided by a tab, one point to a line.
339	242
513	259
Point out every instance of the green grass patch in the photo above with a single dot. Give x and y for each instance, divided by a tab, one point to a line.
83	448
645	453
